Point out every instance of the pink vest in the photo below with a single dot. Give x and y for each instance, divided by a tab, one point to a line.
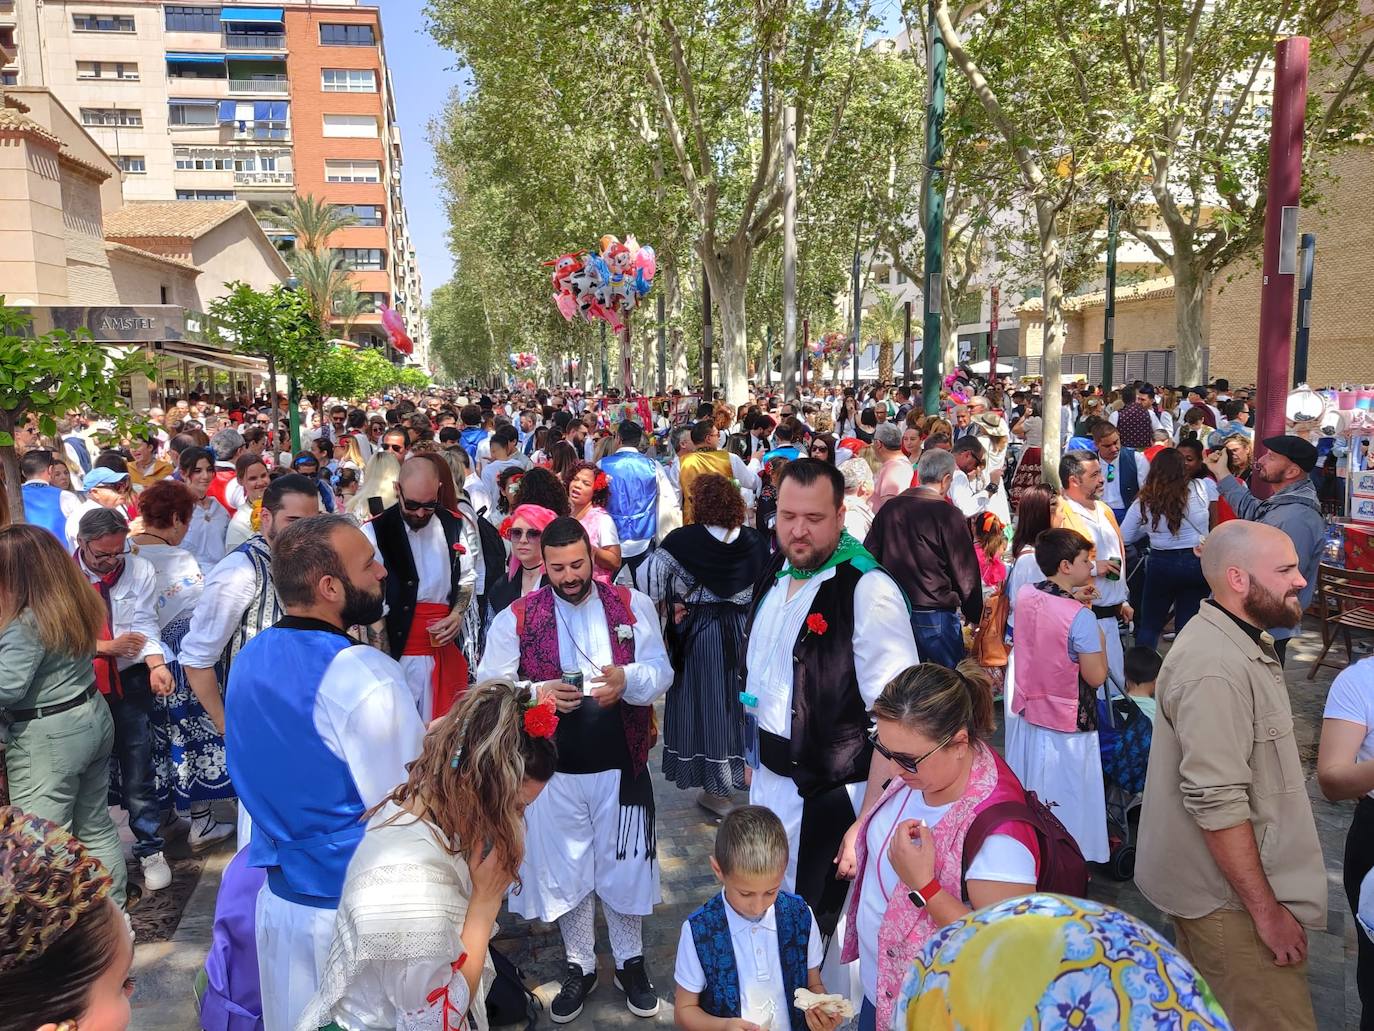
1046	678
905	928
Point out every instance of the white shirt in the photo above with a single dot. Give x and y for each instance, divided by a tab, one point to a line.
883	643
205	536
229	589
133	607
1108	545
1201	495
965	498
758	967
1351	698
584	642
74	519
1001	858
858	516
1024	571
68	502
747	478
240	527
494	469
481	501
1111	478
429	552
179	579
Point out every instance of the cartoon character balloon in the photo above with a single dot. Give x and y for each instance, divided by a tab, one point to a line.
605	282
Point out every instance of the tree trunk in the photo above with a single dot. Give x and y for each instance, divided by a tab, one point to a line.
677	347
1191	285
885	343
14	495
1052	269
728	275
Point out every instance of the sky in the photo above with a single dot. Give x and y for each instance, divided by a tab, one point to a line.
423	75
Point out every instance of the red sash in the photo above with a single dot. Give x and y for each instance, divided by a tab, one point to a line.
450	678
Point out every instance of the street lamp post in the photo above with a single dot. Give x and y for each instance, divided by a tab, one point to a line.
1109	314
1309	254
935	217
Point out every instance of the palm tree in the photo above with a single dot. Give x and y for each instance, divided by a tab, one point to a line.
322	277
310	220
346	306
886	320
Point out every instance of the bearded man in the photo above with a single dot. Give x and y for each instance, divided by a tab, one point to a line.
591	832
318	730
828	630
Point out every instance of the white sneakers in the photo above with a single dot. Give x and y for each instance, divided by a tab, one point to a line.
207	831
156	873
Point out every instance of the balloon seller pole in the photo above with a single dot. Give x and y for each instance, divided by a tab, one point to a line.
1280	241
1109	310
605	370
662	346
706	332
790	357
1309	254
935	218
858	309
992	333
767	358
626	359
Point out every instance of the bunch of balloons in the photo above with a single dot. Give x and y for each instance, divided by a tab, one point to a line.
605	283
523	360
396	331
830	344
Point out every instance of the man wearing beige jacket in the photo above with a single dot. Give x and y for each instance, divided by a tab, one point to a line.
1228	846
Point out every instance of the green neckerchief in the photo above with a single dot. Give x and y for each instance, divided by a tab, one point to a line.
848	550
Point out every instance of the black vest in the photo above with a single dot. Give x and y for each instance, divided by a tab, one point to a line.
829	744
402	581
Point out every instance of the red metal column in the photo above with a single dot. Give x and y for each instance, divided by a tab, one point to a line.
1280	241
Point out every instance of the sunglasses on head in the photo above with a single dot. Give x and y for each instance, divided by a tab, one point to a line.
910	763
519	533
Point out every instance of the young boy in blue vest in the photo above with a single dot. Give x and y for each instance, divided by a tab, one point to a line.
743	955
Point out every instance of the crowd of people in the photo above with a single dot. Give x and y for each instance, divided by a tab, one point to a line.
424	653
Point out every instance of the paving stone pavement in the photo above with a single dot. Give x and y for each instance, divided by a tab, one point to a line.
685	834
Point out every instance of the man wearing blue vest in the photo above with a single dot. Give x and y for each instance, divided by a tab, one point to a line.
634	495
1123	473
312	751
473	435
45	505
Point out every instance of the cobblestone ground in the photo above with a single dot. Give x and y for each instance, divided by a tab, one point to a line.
686	832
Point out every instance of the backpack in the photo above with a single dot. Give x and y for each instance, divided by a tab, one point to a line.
508	1000
1063	870
493	549
1125	733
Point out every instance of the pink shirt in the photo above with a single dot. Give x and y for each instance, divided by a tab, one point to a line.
893	477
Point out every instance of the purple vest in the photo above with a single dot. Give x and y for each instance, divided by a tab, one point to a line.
539	658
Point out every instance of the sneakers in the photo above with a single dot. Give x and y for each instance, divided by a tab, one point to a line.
633	980
156	873
207	831
567	1005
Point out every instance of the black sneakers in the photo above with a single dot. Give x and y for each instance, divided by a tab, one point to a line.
567	1004
633	980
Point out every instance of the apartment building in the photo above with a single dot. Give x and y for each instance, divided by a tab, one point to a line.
238	102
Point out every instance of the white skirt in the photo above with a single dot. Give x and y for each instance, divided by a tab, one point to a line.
1065	771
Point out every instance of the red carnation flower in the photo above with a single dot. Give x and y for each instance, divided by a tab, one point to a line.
541	720
505	526
816	624
601	482
458	547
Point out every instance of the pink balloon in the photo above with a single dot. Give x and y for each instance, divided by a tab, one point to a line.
645	261
567	305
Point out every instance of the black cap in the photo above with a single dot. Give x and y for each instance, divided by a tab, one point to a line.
1297	450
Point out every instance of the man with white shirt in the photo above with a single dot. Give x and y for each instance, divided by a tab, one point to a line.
428	589
105	488
969	491
637	482
504	448
829	628
130	670
1083	510
45	505
319	729
1123	469
591	833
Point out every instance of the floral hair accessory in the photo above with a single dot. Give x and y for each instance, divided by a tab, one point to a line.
602	482
505	526
541	719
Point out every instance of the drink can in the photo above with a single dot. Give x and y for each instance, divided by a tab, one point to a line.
573	678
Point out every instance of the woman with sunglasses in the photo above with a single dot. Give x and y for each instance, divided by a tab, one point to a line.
525	571
822	448
934	725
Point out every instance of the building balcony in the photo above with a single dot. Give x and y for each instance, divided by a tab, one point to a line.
250	180
260	84
254	41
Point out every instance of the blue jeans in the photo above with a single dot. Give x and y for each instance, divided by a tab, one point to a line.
868	1017
1172	577
939	638
133	752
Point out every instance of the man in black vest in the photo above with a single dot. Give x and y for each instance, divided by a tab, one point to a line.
429	584
1123	474
829	628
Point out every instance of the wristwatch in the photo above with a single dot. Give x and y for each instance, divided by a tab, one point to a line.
921	897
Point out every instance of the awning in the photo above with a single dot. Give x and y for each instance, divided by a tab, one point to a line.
192	102
213	357
113	323
183	58
263	58
255	15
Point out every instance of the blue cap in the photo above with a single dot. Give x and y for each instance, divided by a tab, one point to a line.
102	477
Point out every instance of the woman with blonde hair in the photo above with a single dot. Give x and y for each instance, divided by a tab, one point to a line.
61	732
420	899
379	481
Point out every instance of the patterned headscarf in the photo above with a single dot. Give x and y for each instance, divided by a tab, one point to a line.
1056	962
47	881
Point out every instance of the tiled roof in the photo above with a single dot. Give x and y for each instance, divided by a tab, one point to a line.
1147	290
161	259
179	218
14	120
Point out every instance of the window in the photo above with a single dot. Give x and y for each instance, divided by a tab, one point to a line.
346	171
370	301
106	70
362	259
102	23
9	78
369	215
192	19
191	114
111	116
188	160
346	36
352	126
131	163
205	194
195	69
348	80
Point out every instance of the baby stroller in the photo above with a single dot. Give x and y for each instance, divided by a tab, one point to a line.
1124	733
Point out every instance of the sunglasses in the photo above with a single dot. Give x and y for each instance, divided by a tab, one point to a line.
416	506
909	763
819	447
100	556
398	448
519	534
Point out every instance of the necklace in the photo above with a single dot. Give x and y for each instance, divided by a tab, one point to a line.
156	537
887	841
